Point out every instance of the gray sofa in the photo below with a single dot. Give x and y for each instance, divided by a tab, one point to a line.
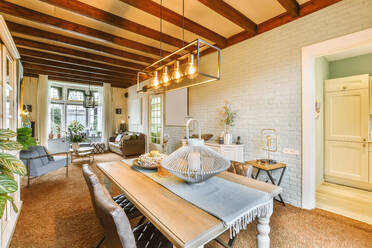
39	162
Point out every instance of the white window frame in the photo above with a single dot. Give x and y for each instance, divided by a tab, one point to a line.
160	118
65	102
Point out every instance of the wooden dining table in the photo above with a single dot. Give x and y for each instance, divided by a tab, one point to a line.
183	223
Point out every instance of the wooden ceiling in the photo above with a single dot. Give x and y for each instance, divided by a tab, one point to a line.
95	41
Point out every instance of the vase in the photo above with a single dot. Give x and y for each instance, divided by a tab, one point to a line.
75	146
228	136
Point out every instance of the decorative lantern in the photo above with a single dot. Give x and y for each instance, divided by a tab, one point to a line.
89	101
195	162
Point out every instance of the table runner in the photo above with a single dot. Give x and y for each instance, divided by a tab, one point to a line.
234	204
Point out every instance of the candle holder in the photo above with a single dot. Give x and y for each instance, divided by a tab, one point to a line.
195	163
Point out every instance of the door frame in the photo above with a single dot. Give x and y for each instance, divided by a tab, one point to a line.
309	55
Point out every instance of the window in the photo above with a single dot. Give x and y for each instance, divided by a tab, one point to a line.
156	119
75	95
56	113
66	105
76	113
56	93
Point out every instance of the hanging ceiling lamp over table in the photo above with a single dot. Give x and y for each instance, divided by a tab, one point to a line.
189	66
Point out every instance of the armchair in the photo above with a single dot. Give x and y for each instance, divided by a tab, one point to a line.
38	162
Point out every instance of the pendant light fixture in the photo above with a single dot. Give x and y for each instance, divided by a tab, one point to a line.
190	68
187	69
89	100
155	83
165	77
177	73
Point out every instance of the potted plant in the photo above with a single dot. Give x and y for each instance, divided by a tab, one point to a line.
228	120
75	140
76	127
9	165
24	137
58	132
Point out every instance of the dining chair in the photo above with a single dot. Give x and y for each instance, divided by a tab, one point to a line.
130	210
117	229
240	168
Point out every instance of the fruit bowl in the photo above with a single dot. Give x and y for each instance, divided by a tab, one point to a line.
149	161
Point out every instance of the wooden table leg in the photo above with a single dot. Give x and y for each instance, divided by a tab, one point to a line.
107	183
263	228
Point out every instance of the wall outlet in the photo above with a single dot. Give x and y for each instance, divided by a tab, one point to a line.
291	151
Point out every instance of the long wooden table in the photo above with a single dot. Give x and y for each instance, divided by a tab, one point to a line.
184	224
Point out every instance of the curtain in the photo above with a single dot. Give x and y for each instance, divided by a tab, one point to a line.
42	110
107	120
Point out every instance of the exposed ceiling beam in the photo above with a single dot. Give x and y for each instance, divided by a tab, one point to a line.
72	80
81	68
231	14
291	6
75	61
109	18
32	15
82	78
77	53
19	28
73	72
305	9
153	8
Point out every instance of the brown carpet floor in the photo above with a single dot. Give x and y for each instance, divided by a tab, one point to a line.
57	212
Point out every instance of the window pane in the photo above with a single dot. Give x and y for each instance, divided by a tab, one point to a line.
75	95
56	93
156	120
55	114
75	113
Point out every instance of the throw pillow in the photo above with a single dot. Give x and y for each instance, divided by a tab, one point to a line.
118	138
127	137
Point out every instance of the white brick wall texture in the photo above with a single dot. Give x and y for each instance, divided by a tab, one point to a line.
261	77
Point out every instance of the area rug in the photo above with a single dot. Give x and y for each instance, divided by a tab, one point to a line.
57	212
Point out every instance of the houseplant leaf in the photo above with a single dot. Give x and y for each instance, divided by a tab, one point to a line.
7	185
6	134
3	199
7	172
10	145
2	204
24	137
13	164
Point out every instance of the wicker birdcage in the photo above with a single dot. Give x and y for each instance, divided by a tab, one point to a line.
195	162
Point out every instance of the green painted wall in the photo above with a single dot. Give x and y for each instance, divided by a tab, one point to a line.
351	66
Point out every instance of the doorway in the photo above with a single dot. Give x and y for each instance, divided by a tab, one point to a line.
313	110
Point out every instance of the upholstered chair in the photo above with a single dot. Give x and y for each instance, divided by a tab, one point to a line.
39	162
117	229
240	168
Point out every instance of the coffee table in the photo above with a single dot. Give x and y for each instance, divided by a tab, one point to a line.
82	152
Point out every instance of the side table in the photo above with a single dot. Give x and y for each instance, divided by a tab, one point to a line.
82	152
269	168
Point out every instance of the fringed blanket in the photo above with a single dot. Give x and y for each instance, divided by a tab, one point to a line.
236	205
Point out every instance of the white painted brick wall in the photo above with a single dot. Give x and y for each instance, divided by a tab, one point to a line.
261	77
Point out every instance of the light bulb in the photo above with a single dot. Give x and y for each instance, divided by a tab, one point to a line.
155	81
191	68
177	74
165	78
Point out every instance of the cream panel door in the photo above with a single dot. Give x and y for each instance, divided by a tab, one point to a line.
347	83
346	160
346	115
